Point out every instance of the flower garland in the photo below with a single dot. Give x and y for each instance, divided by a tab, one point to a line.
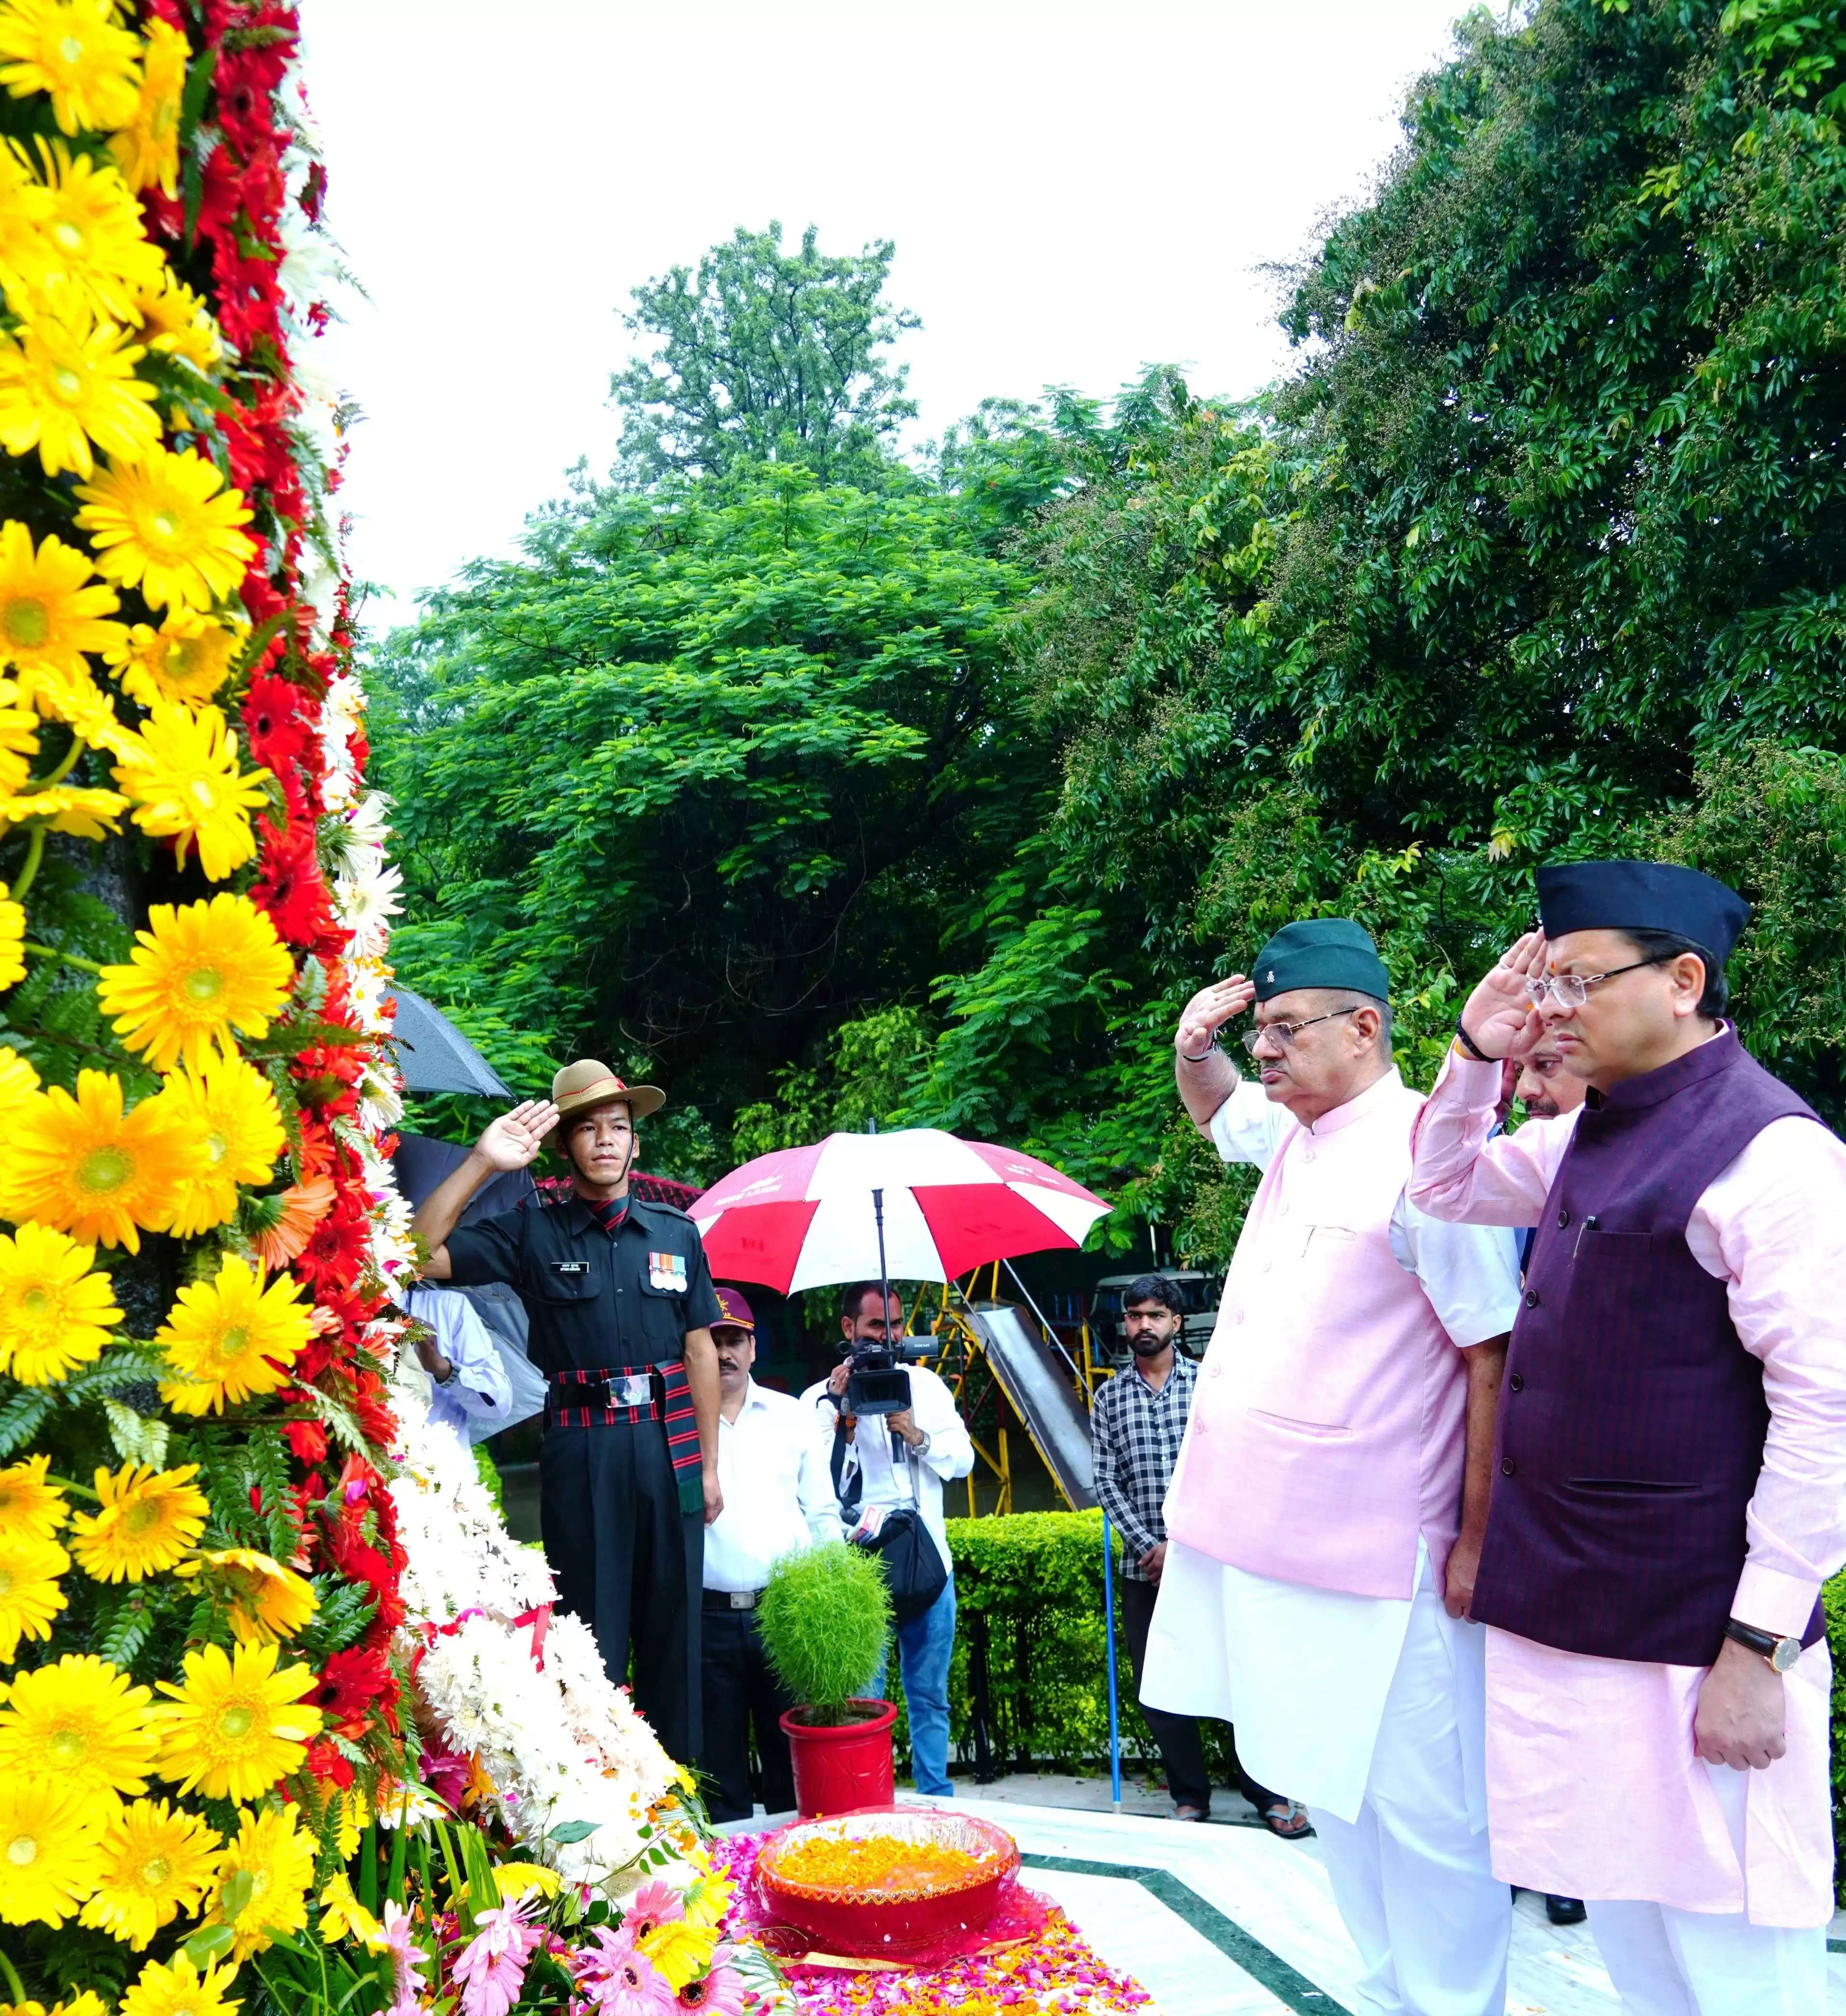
200	1565
212	1775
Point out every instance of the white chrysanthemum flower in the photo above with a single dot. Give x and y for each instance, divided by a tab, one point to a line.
365	905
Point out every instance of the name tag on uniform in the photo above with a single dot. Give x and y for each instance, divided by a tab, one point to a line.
570	1266
668	1271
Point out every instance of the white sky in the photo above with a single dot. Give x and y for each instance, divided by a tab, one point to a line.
1075	190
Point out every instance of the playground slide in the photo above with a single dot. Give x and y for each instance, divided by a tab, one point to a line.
1036	1380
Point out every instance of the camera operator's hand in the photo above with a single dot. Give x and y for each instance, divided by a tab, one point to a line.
904	1424
836	1379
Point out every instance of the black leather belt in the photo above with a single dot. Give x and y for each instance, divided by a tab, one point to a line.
732	1599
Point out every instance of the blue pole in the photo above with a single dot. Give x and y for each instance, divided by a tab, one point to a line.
1114	1715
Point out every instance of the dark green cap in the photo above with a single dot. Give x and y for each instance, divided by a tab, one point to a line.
1321	952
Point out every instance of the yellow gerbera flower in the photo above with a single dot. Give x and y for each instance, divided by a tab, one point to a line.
81	1722
66	808
199	972
18	744
184	662
176	322
96	249
18	1082
72	697
28	1504
55	1314
168	524
515	1879
158	1861
88	2003
708	1899
679	1951
74	51
25	253
242	1124
50	1839
185	781
234	1725
232	1337
29	1597
48	617
88	1167
64	386
279	1860
13	940
178	1989
268	1601
148	1522
147	149
342	1916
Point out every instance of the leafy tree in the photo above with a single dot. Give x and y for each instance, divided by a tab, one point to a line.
711	770
766	355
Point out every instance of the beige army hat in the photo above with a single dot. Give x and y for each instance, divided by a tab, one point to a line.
579	1086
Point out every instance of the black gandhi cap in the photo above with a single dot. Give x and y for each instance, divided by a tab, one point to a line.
1321	952
1640	896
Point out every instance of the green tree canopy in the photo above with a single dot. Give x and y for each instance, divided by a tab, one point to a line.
713	770
765	355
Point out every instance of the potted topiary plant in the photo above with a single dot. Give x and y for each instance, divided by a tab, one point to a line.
825	1617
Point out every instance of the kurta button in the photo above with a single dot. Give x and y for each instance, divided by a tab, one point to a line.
1517	1382
1563	1216
1531	1298
1507	1466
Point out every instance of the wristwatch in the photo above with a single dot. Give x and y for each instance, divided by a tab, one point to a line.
1781	1653
923	1448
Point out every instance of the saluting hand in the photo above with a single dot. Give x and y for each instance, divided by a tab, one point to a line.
1208	1011
1501	1016
514	1139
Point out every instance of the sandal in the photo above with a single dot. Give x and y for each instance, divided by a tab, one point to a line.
1285	1820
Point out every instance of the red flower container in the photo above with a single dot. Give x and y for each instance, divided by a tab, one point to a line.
839	1769
908	1909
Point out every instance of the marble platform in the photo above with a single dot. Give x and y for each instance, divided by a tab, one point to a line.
1217	1920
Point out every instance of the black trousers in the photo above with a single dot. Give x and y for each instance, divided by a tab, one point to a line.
741	1692
1182	1751
630	1563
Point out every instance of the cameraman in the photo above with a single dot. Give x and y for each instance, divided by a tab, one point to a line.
902	1460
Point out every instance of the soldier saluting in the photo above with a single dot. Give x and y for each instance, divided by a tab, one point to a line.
621	1305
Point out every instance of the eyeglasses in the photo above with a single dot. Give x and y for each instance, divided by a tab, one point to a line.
1285	1033
1571	990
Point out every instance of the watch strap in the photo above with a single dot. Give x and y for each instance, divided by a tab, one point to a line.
1781	1652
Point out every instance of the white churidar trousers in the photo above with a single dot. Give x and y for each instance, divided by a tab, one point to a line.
1374	1707
1667	1962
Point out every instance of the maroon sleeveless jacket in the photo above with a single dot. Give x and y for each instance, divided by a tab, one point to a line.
1632	1418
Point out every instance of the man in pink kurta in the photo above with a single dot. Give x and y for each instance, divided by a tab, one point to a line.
1324	1513
1687	1798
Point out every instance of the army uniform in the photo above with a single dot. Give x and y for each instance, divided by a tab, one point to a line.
610	1295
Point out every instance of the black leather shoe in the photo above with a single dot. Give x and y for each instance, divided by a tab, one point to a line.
1565	1910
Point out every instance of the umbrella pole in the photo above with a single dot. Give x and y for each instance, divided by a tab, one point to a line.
883	1279
1114	1719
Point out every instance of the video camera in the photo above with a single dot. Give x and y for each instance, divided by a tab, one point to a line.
878	1382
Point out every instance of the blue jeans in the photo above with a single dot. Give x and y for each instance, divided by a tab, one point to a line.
924	1648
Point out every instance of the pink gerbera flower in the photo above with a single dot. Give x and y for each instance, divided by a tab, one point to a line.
721	1993
492	1966
407	1959
617	1981
655	1903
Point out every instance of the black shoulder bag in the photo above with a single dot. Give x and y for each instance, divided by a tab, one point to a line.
912	1563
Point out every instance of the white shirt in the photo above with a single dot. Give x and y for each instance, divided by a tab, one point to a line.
478	1399
887	1477
771	1469
1470	1272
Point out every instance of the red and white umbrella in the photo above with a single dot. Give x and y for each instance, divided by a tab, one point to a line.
802	1218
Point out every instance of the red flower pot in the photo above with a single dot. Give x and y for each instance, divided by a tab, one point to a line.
844	1766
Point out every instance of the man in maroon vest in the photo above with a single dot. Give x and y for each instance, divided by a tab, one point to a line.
1670	1460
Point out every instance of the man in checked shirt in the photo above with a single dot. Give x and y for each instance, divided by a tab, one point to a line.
1137	1422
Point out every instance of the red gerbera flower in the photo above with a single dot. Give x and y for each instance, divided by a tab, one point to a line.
290	887
326	1762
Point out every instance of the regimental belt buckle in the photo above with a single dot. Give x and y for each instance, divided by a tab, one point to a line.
632	1389
743	1598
